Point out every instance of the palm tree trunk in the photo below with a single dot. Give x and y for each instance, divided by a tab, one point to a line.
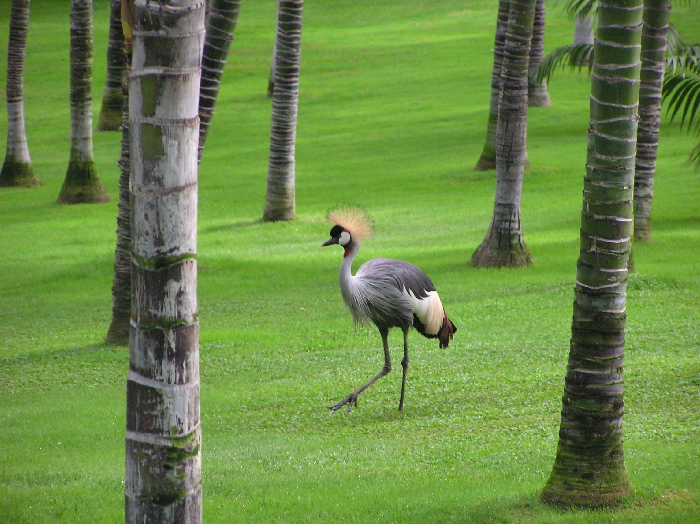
589	469
503	245
118	331
81	185
487	160
538	96
17	170
113	95
655	26
280	197
222	16
163	433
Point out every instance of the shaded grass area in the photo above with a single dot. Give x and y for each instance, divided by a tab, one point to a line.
393	108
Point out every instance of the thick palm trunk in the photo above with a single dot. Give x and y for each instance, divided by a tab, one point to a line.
222	16
503	245
280	201
487	160
17	168
81	185
163	455
113	95
538	96
655	26
589	469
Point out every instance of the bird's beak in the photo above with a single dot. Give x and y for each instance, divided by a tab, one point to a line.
330	241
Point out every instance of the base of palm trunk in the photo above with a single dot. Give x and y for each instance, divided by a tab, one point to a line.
82	185
560	492
487	160
492	253
111	112
18	174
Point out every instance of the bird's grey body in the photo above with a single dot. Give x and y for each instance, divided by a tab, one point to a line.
389	293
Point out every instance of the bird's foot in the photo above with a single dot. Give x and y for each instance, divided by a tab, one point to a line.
350	400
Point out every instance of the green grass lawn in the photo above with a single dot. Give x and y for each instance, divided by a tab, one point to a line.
392	115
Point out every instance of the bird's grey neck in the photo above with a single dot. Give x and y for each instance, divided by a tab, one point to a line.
346	266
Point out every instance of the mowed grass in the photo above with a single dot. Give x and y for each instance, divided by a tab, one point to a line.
392	115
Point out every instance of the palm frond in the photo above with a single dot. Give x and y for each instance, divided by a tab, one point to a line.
681	91
574	56
582	8
679	55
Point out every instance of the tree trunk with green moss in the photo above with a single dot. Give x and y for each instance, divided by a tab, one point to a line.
81	185
163	432
17	170
503	245
113	95
589	469
655	27
280	199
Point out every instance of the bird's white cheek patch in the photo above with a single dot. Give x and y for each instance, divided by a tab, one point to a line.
344	238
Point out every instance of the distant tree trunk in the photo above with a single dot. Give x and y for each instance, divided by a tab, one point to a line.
118	331
271	76
163	432
81	185
119	327
583	30
589	469
538	96
113	96
222	16
487	160
655	26
17	168
503	245
280	198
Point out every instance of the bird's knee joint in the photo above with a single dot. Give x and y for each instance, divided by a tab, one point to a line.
386	370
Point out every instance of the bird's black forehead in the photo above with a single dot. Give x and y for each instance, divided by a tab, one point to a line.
336	231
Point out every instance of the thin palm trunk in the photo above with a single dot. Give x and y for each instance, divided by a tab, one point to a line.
163	432
487	160
656	17
503	245
222	16
589	468
118	331
280	200
81	185
113	95
17	167
538	95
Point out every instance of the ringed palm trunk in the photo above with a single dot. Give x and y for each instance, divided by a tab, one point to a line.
222	16
487	160
17	168
503	245
113	95
538	96
589	468
163	433
280	197
81	185
655	26
119	326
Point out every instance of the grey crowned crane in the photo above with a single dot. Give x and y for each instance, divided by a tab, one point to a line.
387	292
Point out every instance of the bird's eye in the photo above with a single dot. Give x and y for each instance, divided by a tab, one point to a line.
344	238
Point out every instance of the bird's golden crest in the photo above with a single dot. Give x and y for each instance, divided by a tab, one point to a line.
353	218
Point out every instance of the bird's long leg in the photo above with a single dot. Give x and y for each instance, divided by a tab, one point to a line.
404	365
352	397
